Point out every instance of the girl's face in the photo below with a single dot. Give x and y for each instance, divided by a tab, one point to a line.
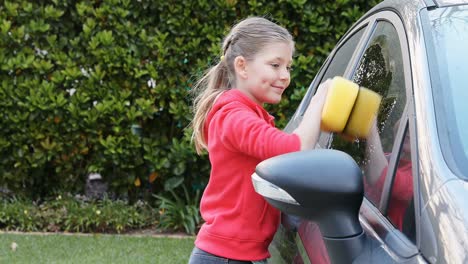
267	75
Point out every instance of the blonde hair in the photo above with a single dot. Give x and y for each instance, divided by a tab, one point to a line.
246	39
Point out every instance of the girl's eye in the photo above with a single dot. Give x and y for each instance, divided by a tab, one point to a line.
289	68
275	65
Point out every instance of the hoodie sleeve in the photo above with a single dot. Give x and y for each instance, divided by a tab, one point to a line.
241	129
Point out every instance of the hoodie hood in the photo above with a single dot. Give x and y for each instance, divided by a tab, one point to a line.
231	99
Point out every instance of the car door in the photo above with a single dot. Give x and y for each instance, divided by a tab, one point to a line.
374	55
288	245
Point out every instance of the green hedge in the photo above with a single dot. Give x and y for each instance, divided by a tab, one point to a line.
75	214
76	76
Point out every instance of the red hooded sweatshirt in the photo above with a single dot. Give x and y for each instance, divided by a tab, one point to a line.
239	223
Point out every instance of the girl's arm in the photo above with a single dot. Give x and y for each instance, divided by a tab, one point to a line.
309	128
377	161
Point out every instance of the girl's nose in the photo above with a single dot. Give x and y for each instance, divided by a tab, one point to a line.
284	74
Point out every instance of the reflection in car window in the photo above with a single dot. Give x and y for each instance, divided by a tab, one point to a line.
381	70
400	210
337	67
284	247
342	56
401	204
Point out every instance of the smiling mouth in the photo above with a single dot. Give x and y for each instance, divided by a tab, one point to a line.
278	87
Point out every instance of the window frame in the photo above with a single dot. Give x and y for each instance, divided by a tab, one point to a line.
400	243
374	217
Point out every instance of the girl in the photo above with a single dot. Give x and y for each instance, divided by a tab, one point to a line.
231	123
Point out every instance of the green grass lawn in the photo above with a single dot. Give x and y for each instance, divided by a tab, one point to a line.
94	249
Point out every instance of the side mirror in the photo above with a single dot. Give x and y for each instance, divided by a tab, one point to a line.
321	185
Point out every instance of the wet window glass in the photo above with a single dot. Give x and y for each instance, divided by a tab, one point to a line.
289	246
381	70
342	56
336	67
400	209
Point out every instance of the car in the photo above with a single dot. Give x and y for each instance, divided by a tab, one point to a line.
400	194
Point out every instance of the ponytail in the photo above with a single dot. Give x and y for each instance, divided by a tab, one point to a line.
209	88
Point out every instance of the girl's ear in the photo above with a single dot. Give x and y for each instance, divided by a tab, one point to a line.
240	66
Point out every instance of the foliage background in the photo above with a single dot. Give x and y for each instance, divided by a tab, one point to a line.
103	86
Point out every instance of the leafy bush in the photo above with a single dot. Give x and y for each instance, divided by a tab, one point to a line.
179	212
74	214
76	76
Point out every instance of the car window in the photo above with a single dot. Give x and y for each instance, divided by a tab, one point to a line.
290	247
381	70
337	67
448	76
342	56
400	210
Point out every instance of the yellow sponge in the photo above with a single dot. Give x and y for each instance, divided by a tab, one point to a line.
338	105
364	111
349	109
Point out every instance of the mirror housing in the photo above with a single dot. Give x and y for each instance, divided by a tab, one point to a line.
321	185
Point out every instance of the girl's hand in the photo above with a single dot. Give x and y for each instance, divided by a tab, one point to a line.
321	94
309	128
314	110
